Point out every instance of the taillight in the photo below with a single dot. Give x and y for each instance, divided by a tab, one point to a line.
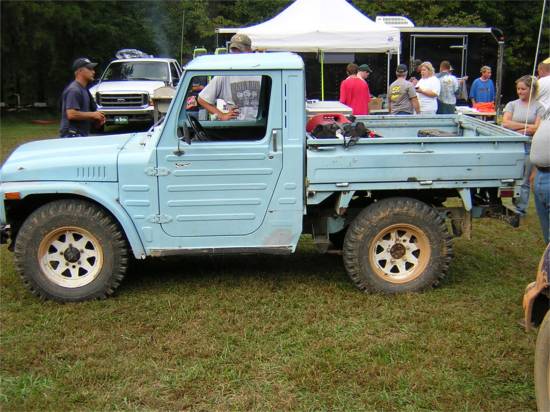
506	192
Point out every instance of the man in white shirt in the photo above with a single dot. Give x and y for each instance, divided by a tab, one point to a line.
240	93
543	70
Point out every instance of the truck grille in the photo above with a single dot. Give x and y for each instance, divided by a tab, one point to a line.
122	100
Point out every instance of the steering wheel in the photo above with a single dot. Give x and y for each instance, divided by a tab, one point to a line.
200	133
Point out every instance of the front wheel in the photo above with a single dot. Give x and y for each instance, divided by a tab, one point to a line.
71	250
397	245
542	365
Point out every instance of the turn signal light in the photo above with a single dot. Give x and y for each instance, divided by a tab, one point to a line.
12	196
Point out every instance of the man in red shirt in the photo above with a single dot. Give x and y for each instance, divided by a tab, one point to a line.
354	91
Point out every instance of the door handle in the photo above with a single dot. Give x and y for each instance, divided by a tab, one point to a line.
275	139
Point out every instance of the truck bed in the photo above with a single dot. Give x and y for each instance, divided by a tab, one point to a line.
481	155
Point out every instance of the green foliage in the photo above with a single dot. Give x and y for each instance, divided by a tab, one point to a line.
40	39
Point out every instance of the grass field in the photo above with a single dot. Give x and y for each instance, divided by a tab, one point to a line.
276	333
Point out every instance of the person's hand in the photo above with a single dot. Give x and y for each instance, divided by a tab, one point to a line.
99	118
414	80
530	130
232	114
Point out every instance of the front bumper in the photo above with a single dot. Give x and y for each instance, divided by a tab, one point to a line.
130	115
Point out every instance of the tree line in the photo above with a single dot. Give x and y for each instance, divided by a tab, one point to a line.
40	39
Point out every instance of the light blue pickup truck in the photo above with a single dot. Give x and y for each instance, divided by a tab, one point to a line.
77	210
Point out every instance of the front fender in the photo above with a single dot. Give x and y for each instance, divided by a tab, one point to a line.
104	193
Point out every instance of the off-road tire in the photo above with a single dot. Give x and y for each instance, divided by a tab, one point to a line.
397	245
542	365
71	250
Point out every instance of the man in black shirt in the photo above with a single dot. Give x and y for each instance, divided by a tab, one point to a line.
78	109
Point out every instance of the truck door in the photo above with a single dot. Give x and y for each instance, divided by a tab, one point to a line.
221	184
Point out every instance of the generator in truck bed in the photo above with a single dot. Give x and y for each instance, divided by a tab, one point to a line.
76	210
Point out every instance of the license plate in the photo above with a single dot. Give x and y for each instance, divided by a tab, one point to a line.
121	119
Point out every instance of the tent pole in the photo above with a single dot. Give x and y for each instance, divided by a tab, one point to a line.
388	72
322	75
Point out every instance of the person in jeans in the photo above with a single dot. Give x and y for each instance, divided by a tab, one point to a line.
523	116
402	97
446	102
540	158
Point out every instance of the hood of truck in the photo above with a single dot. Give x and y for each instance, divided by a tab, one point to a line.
141	86
91	159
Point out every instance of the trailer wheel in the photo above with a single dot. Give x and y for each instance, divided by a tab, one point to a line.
542	365
397	245
71	250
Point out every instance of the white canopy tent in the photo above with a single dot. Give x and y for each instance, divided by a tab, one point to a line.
324	26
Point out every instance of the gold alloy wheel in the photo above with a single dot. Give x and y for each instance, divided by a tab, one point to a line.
70	256
400	253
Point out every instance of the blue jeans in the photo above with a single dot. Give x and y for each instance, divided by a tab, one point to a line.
523	201
542	201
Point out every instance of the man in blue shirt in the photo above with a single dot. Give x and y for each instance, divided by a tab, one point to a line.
483	89
78	109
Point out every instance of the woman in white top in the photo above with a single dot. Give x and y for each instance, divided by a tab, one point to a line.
428	88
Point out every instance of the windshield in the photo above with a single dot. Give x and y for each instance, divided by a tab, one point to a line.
136	71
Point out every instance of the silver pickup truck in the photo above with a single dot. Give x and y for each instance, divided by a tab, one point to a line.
125	90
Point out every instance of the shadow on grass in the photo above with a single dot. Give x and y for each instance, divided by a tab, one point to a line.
304	267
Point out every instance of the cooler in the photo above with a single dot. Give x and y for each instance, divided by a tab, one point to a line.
315	107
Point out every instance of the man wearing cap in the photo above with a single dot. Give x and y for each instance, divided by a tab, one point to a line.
402	98
363	73
241	94
446	101
78	109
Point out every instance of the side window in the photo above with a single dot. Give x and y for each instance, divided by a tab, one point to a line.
233	107
175	74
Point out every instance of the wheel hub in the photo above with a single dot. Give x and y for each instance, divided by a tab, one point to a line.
397	251
71	254
400	253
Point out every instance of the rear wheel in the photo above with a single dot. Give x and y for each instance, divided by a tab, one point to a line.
542	365
71	250
397	245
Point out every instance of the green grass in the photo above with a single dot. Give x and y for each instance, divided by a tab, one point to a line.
278	333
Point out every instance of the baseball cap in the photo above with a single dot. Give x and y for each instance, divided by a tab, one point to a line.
241	42
402	68
83	62
365	68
